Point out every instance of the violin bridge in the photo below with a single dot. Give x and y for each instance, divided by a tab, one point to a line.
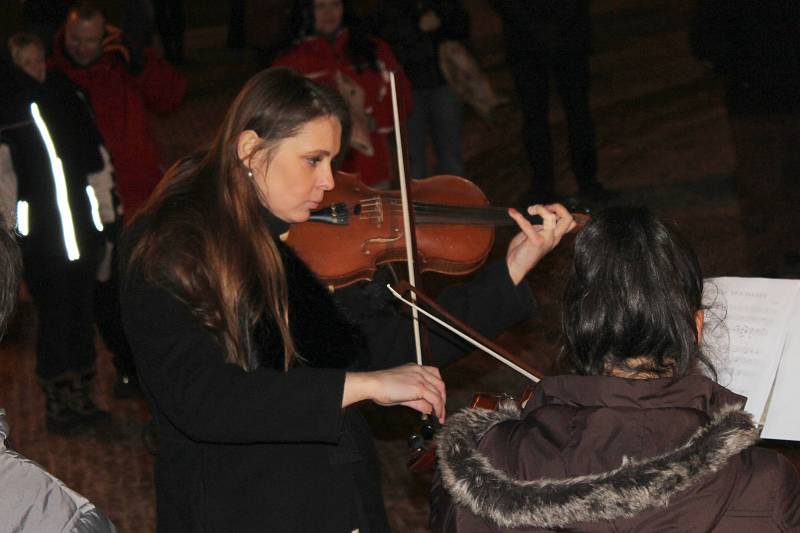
335	214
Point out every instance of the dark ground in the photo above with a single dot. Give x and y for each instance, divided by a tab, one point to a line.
663	142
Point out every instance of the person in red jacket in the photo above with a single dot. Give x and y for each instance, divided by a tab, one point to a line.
89	52
121	92
333	48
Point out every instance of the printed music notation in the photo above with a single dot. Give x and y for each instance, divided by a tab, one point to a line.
745	332
756	349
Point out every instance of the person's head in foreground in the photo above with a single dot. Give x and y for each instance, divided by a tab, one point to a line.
635	437
633	300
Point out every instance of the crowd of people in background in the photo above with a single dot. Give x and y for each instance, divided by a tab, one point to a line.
78	157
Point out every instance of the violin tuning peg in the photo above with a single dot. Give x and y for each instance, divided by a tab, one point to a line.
428	429
416	441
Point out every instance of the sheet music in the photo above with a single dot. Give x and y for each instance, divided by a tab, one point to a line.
783	421
747	349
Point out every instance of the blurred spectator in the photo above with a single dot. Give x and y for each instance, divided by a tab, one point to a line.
334	48
30	498
544	38
415	29
755	47
57	183
90	53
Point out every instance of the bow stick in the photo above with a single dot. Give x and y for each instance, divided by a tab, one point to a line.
477	340
408	215
412	287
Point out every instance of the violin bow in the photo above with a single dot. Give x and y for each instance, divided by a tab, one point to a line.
408	215
412	287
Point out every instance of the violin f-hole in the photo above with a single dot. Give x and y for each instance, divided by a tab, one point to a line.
365	246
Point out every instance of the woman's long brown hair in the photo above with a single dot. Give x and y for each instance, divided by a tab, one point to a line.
206	238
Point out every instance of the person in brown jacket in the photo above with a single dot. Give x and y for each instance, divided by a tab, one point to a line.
636	438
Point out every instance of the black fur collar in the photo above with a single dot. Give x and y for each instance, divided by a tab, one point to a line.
632	488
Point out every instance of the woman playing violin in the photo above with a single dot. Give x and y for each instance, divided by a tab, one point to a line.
251	370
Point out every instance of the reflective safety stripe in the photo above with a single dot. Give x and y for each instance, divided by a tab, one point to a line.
62	200
95	207
22	218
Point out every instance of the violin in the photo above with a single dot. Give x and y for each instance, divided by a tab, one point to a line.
360	228
443	224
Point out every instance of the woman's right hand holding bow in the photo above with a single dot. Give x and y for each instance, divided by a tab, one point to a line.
416	386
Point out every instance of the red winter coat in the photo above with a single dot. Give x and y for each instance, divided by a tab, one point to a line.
320	60
121	100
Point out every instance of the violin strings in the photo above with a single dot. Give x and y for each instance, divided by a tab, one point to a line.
455	214
372	209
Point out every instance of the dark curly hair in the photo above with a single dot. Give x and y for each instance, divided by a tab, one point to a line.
632	296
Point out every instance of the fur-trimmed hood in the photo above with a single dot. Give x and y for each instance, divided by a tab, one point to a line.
635	486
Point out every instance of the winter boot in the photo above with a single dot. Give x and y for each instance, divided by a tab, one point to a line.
81	401
60	418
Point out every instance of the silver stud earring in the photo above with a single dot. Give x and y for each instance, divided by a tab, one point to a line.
249	173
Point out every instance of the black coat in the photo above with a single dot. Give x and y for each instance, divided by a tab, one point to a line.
271	451
77	142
